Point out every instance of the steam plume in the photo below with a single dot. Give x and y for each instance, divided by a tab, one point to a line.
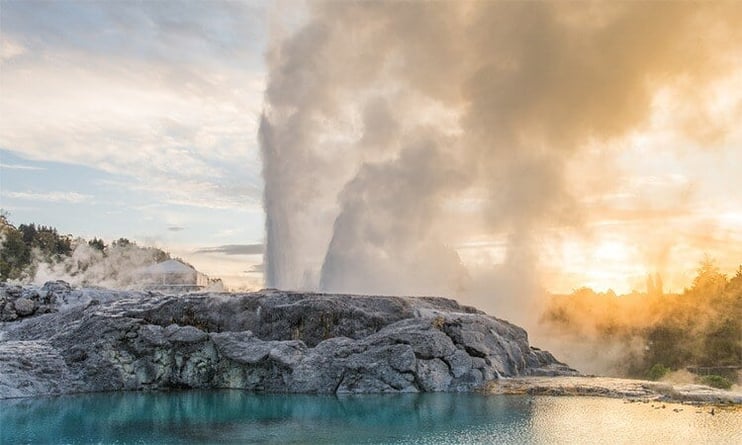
381	118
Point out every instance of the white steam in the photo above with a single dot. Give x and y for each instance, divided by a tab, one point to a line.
379	115
119	267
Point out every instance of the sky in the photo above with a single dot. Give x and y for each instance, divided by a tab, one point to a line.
137	120
145	120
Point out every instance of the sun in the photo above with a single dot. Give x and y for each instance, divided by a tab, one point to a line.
600	264
612	251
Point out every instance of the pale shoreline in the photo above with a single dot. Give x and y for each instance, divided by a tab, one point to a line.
632	390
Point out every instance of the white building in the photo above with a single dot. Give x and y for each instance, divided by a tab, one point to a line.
172	275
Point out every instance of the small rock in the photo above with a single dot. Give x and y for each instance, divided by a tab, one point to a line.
24	306
13	291
460	363
404	359
54	291
31	294
7	312
433	375
185	334
56	286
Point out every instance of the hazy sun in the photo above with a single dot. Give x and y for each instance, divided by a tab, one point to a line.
601	264
612	251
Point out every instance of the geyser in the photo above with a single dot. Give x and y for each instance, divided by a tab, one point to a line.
393	132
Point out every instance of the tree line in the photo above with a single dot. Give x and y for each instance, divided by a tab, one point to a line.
24	248
700	327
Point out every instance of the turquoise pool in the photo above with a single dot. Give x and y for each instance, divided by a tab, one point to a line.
231	416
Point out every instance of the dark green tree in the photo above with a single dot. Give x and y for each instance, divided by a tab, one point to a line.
667	345
98	244
29	233
722	345
15	256
122	242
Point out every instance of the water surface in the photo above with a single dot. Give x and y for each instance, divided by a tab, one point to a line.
231	416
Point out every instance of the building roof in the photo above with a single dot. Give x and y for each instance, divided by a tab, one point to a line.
168	267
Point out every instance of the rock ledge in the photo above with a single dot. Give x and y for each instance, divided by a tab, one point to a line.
97	340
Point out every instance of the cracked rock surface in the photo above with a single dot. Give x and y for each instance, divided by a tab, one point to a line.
85	340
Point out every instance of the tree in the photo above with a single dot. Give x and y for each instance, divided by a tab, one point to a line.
160	255
723	343
64	245
708	281
735	283
15	255
29	233
658	286
650	285
46	241
122	242
666	344
654	285
97	244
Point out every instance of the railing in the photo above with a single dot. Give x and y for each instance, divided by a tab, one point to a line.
713	370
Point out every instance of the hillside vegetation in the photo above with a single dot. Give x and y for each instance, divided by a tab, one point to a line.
33	252
699	329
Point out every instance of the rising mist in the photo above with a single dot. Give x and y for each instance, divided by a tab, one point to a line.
394	133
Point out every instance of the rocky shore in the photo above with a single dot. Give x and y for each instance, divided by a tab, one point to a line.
58	340
632	390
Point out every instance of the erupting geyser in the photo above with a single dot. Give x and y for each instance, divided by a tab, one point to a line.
394	132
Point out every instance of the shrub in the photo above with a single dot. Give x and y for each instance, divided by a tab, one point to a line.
657	371
716	381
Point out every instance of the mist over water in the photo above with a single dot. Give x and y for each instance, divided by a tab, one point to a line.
394	133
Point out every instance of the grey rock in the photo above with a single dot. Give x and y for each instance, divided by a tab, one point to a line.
30	368
433	375
460	363
324	368
11	291
55	292
18	302
7	312
426	341
97	340
287	353
24	307
403	359
185	334
56	287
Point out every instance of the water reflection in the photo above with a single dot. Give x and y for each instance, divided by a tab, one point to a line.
569	420
240	417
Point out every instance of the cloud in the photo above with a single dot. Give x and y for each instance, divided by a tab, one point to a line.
175	229
236	194
68	197
20	167
257	268
9	49
164	93
234	249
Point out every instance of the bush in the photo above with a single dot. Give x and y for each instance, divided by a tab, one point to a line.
716	381
657	371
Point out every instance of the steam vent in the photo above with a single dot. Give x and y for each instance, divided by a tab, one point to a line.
56	340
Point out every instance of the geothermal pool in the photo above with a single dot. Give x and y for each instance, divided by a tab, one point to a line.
231	416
